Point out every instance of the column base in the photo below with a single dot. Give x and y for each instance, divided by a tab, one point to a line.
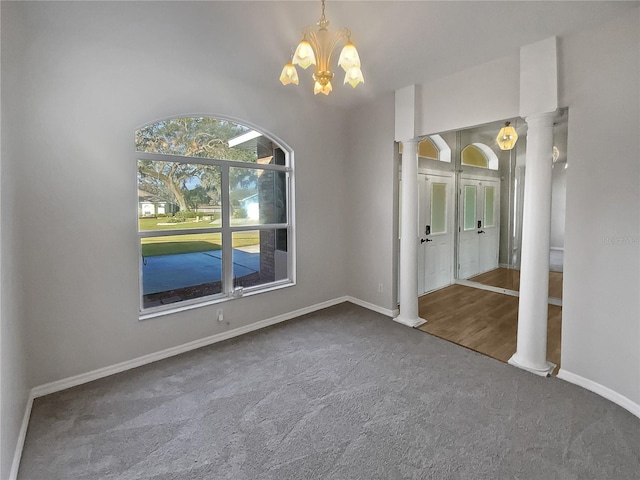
410	322
543	370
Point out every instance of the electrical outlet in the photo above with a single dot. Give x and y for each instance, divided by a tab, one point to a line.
380	288
220	315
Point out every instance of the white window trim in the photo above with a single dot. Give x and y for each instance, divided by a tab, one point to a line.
228	291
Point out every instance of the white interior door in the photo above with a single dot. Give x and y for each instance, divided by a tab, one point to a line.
435	253
479	226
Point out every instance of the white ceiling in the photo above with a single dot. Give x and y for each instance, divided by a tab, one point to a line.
400	42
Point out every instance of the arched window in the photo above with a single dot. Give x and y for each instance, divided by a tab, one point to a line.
479	155
214	203
427	149
433	147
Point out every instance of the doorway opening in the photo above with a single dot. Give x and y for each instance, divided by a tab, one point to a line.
476	197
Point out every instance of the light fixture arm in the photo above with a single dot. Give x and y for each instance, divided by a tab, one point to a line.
324	44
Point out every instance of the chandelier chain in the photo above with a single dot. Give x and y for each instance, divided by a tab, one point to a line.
323	22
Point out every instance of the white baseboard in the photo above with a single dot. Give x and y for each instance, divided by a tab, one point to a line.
507	266
76	380
601	390
373	307
22	435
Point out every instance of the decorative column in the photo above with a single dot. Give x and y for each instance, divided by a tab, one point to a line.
409	237
531	353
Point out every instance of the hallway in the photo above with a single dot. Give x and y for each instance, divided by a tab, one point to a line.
483	321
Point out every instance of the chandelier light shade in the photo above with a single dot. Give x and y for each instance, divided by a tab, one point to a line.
316	48
289	74
304	55
507	137
349	57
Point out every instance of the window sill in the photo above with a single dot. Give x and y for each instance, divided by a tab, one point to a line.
172	309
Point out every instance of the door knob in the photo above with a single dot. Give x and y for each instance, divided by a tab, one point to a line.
422	240
481	231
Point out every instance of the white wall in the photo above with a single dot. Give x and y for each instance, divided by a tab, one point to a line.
371	171
599	70
481	94
81	77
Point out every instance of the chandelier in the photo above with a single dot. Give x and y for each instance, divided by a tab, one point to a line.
316	48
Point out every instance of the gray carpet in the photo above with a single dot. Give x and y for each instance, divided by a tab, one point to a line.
343	393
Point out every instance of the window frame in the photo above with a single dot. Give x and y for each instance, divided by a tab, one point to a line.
229	291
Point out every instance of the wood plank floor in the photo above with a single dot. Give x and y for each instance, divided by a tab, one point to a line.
483	321
510	279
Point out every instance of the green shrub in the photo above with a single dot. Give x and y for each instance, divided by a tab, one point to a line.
239	212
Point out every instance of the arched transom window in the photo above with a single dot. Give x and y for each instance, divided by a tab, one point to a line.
432	147
479	155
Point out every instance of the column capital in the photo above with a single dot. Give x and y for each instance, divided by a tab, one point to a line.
543	119
410	140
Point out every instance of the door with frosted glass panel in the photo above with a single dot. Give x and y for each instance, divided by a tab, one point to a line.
490	236
479	226
436	220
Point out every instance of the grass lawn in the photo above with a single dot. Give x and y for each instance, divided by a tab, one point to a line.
200	242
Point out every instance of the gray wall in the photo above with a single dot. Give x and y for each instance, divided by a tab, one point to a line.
14	382
78	79
601	331
372	195
601	313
